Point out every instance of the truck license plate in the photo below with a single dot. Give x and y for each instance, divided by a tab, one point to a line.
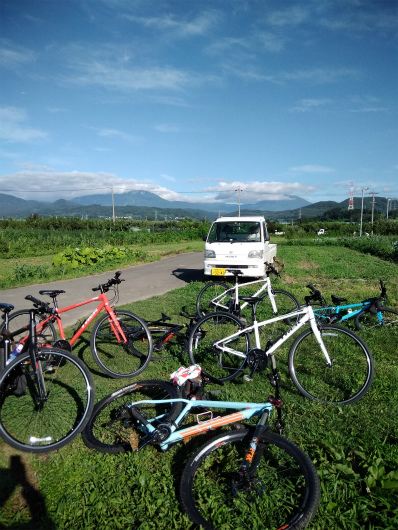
218	272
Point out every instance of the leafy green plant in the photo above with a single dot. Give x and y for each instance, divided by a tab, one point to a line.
73	258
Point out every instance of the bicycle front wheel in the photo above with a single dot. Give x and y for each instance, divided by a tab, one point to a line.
39	422
384	319
223	359
215	296
347	379
116	358
111	429
281	490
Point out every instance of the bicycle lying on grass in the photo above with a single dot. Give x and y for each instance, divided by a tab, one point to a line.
219	296
120	341
368	314
163	332
327	362
46	394
250	477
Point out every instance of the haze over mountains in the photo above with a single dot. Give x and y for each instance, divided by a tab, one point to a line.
143	204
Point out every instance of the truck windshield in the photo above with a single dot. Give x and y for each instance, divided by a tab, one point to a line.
242	231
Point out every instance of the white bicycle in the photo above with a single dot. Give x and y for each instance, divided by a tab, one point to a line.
327	362
219	296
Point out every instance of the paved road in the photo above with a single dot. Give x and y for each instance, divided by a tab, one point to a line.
141	282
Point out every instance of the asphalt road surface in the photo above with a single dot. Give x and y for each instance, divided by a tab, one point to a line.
141	282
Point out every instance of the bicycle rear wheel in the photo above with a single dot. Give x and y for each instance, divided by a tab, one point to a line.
226	360
35	424
351	373
282	490
111	429
19	322
206	302
368	321
114	357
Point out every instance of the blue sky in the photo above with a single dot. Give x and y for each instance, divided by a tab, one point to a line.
195	99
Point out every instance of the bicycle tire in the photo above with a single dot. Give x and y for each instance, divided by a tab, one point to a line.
20	320
287	493
107	432
116	359
368	321
285	303
36	426
208	293
351	373
201	350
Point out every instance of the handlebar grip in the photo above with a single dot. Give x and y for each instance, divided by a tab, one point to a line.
95	289
311	288
38	303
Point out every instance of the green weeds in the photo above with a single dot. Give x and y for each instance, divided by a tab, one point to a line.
354	448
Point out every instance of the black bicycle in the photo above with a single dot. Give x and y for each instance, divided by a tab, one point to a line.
46	393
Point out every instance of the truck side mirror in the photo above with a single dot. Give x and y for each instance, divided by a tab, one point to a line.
267	238
205	237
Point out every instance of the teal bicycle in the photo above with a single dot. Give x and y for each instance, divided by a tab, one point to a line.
248	477
369	314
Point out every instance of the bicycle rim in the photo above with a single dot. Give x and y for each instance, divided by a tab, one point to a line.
112	430
368	321
225	361
30	424
206	304
114	357
19	320
283	491
350	375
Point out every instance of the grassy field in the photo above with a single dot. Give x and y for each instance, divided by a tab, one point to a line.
354	448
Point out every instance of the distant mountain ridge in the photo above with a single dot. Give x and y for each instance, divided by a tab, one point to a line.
146	198
142	204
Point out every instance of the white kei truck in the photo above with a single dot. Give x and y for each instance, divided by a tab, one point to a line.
238	243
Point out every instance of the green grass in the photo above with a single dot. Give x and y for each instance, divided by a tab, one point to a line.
21	271
354	448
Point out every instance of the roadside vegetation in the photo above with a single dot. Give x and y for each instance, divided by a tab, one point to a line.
354	448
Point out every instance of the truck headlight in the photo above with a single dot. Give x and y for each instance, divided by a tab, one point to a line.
256	254
210	254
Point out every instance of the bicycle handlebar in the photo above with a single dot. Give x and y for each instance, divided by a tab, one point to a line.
315	295
42	306
113	281
271	268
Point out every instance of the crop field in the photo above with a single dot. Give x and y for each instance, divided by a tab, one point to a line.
354	448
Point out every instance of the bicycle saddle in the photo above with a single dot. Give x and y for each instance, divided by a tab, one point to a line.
51	293
338	301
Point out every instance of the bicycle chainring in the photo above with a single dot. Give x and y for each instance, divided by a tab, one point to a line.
257	360
63	344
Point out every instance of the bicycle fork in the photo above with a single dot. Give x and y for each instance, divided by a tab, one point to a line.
246	482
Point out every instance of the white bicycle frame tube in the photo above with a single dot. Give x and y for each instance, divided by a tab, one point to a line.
266	286
308	316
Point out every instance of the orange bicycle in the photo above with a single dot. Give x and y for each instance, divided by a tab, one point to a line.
120	342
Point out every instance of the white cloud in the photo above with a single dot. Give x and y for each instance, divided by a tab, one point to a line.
14	128
311	168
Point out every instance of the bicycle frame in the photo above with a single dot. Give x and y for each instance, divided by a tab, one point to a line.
336	310
266	286
103	305
248	410
308	316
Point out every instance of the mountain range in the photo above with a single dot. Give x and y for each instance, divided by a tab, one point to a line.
143	204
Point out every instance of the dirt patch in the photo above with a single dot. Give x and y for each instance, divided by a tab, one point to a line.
307	265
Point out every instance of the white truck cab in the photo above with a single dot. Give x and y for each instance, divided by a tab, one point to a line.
238	243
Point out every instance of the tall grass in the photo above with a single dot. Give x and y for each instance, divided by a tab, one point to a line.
354	448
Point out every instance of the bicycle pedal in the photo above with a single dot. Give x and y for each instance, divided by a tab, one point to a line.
248	379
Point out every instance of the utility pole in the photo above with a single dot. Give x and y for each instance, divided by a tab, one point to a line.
360	229
113	207
373	205
239	199
388	201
